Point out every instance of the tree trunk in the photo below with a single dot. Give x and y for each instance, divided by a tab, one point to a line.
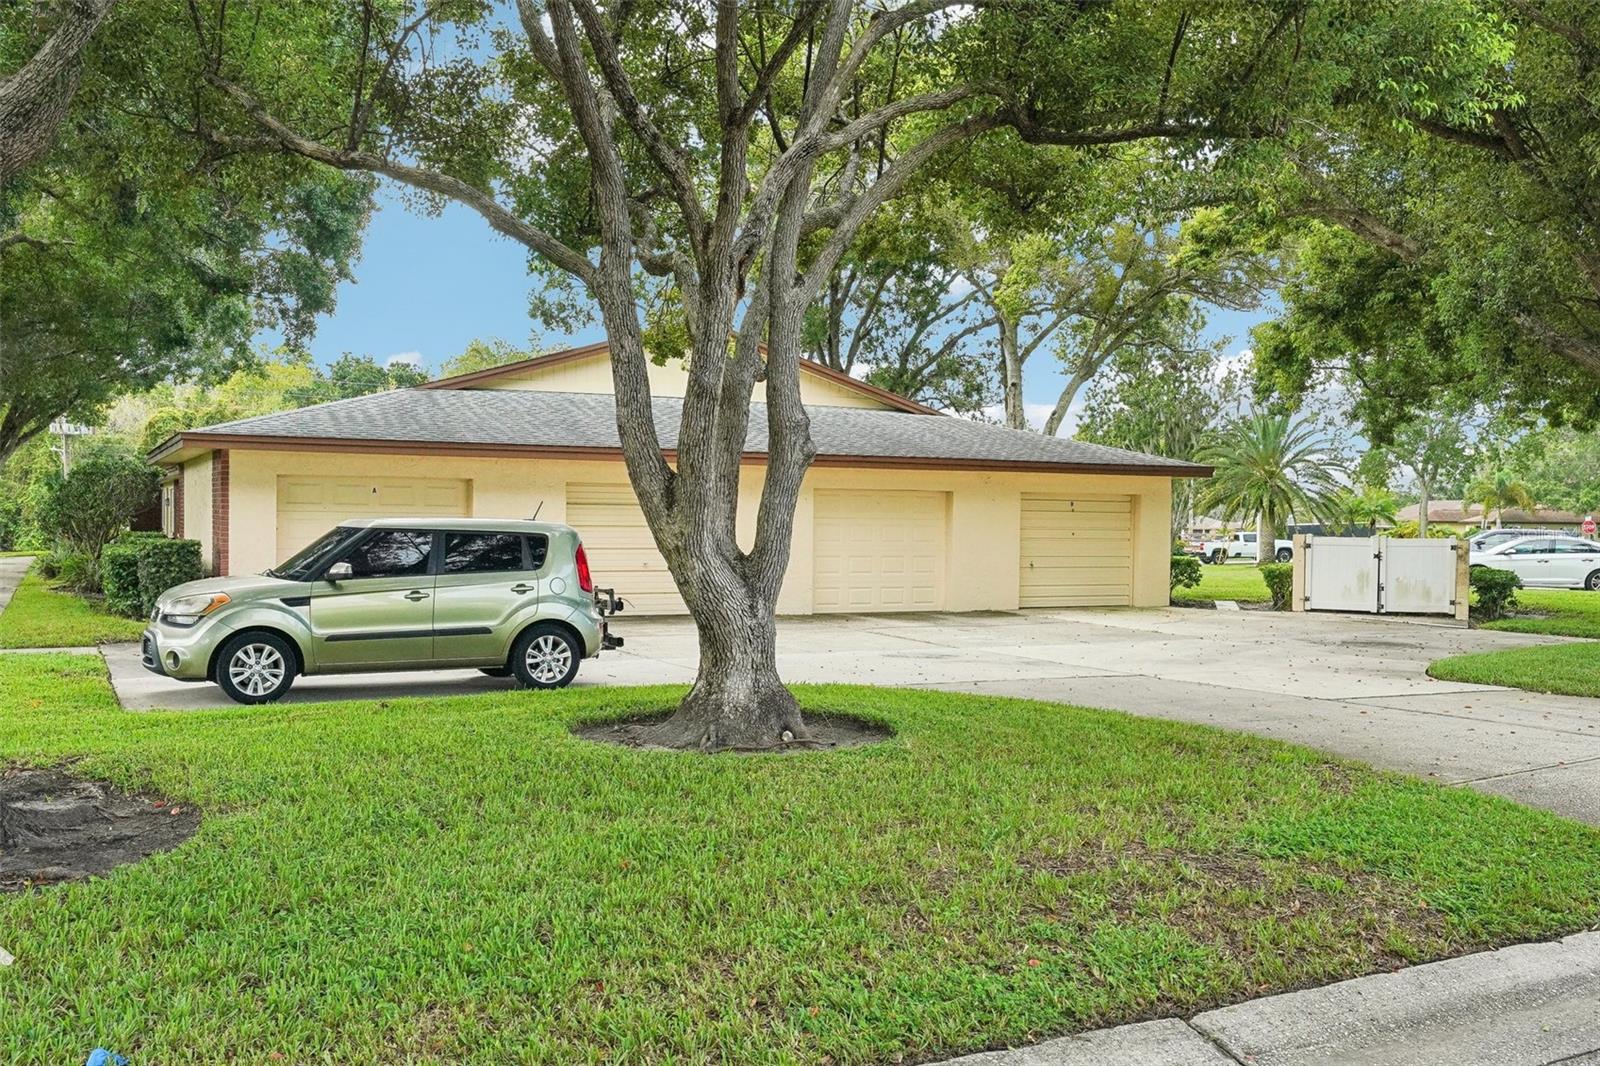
34	99
738	701
1011	373
1266	530
1422	508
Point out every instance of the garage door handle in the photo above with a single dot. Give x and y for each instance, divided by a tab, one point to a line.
520	589
416	594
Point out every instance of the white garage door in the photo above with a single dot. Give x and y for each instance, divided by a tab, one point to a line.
1077	551
879	551
309	506
622	553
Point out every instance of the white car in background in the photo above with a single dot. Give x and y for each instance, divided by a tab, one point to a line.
1551	561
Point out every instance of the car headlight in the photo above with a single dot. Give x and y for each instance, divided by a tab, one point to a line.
187	610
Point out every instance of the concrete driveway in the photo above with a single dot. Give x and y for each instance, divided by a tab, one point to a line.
1353	686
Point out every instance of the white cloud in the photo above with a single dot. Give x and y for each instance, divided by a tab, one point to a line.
412	358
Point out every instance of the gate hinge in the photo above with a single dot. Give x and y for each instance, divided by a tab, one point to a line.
1455	545
1377	555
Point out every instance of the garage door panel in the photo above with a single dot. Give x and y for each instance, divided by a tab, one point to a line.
1076	551
310	505
622	553
878	551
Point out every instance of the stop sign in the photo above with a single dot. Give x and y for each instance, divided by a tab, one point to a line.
1588	525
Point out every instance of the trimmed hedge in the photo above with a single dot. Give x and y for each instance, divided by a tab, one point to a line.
138	567
119	573
1496	592
1280	582
1185	571
164	563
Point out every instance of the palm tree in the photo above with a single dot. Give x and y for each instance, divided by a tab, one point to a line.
1269	467
1496	490
1371	507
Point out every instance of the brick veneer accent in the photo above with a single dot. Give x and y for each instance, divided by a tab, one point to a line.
177	505
219	512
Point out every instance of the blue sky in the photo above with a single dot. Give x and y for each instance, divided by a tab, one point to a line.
425	286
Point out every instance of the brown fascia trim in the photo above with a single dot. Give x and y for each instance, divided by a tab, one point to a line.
574	452
572	355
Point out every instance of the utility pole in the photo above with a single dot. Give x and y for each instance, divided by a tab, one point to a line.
66	431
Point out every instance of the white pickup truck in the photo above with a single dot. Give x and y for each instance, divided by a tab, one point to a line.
1237	546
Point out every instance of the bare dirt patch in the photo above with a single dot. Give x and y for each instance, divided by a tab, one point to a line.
827	733
56	827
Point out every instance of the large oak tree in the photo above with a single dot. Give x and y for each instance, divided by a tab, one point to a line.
720	149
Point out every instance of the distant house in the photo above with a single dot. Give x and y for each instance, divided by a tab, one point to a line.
1462	516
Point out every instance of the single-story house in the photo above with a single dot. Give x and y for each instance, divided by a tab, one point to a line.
904	509
1462	517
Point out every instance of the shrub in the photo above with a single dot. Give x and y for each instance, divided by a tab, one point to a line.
119	573
164	563
85	509
1495	591
1408	531
11	520
1280	582
1185	571
72	570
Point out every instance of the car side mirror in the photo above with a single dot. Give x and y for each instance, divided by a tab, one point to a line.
338	572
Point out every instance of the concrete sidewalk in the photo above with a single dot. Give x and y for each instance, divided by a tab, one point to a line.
1528	1005
11	571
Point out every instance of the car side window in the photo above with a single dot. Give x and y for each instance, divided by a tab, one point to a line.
538	551
482	553
391	553
1532	547
1249	538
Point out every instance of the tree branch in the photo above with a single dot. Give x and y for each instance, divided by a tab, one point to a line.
433	181
668	158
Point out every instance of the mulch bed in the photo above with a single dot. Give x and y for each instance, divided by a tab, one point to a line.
828	733
56	827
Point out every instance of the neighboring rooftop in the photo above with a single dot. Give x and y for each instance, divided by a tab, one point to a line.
1459	512
578	425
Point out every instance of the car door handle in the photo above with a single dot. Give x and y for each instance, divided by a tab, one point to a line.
416	594
520	589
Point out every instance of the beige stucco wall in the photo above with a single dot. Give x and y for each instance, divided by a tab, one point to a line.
983	527
197	509
671	379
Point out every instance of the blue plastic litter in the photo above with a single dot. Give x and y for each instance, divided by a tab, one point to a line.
101	1057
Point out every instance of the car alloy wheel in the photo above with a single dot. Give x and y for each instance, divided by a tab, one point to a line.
1592	582
257	669
548	659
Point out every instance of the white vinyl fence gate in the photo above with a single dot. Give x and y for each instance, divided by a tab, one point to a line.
1380	575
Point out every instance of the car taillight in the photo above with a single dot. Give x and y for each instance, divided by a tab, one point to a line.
585	581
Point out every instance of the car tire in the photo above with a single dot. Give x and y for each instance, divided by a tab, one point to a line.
1284	555
256	667
1219	557
1592	582
495	671
545	656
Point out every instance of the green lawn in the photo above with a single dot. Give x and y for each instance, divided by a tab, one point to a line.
40	617
1568	669
459	879
1561	612
1230	581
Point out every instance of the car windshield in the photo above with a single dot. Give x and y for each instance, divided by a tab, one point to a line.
298	566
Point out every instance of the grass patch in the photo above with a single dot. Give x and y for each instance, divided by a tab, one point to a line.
39	616
461	879
1567	669
1230	581
1554	612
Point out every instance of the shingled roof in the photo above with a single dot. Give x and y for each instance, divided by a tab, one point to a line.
579	425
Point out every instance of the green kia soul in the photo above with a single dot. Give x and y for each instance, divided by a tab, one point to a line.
512	598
